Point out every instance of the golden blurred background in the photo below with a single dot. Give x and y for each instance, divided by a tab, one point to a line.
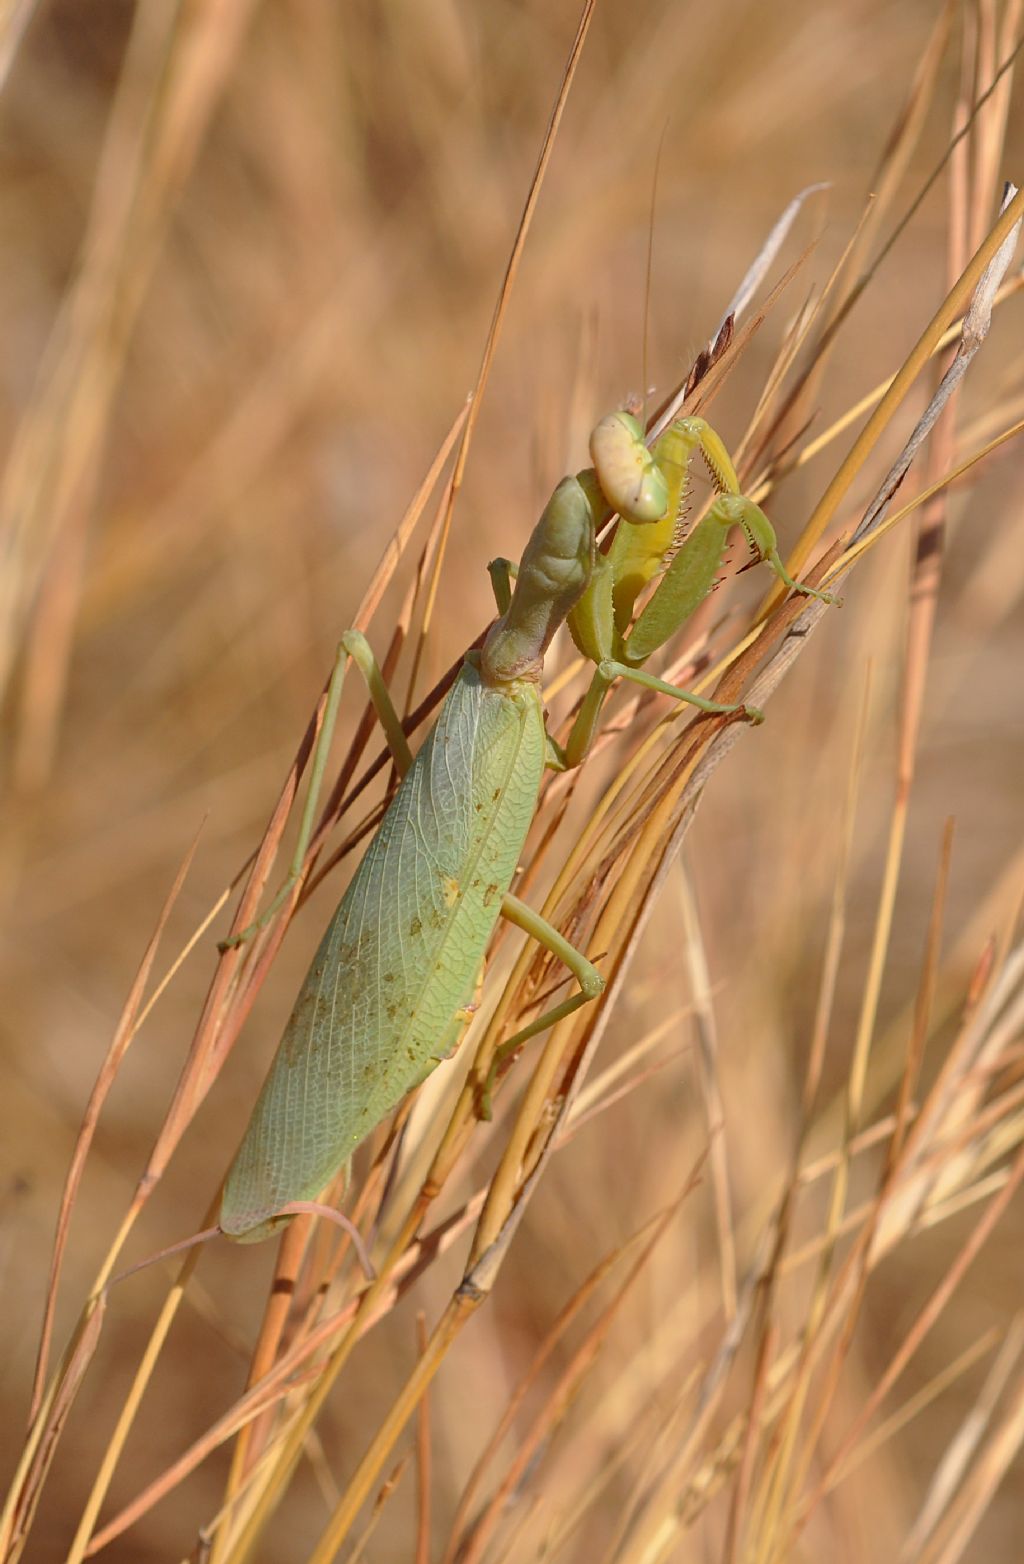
251	255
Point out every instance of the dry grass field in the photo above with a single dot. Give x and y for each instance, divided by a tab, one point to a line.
752	1224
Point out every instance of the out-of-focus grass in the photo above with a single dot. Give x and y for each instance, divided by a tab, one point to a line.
251	260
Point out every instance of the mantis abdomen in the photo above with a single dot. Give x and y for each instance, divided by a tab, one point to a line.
401	953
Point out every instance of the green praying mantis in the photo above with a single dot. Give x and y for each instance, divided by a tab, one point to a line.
387	993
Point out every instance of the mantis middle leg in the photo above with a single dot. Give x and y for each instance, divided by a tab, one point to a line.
353	645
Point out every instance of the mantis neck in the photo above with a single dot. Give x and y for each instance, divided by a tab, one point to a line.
553	575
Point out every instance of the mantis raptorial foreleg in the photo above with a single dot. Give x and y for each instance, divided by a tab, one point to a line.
648	488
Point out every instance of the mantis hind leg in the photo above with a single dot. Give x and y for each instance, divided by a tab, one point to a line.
353	645
586	974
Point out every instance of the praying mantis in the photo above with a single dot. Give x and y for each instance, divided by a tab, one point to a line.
387	993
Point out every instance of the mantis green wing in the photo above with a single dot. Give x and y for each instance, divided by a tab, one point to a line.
401	953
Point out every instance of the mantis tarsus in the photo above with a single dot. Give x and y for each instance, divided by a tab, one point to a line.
386	995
